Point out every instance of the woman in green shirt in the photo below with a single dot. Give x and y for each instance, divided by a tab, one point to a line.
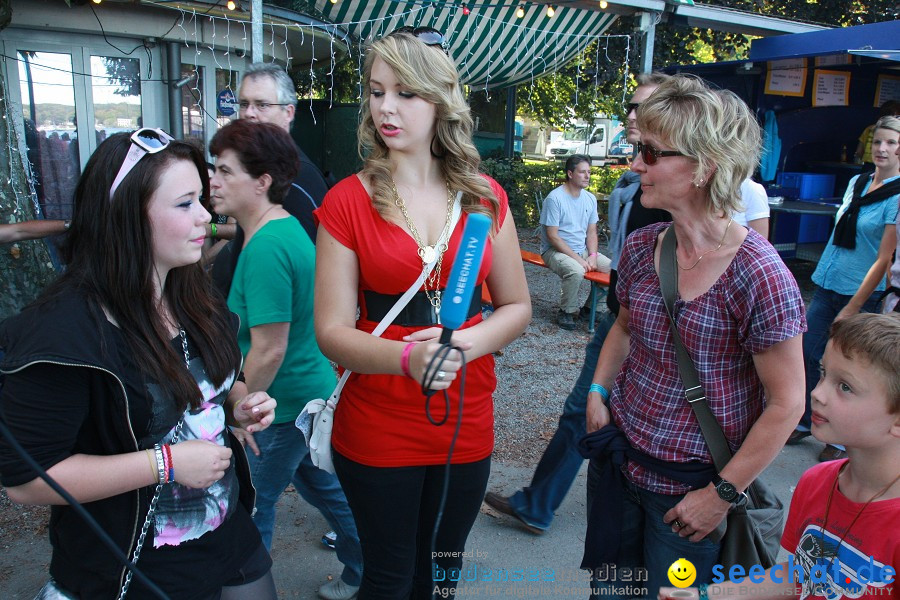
272	293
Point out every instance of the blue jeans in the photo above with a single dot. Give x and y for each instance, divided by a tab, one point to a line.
560	462
648	542
284	458
822	310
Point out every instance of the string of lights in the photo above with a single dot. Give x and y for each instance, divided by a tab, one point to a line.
17	161
469	32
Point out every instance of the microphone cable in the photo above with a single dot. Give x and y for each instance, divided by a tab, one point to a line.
428	378
85	515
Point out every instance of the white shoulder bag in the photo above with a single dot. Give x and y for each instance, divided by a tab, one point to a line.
317	418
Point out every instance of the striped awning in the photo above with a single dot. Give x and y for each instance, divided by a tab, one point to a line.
491	46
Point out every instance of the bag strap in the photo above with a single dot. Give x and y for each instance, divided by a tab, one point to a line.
693	390
407	295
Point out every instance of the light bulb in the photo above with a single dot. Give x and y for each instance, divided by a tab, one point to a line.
231	4
550	11
466	10
520	12
603	4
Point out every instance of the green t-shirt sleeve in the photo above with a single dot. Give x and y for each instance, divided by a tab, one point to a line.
268	285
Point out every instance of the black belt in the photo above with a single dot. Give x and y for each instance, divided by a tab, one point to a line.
418	313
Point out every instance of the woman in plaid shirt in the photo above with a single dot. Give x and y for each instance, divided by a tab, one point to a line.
739	314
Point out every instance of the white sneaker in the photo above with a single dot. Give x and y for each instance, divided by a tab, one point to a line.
338	590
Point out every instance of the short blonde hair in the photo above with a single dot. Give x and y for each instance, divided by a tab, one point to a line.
714	127
876	338
892	123
430	74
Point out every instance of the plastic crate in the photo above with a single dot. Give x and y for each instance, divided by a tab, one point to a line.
808	186
792	229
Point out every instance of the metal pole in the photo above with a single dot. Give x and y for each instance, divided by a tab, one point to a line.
256	32
510	133
176	119
647	25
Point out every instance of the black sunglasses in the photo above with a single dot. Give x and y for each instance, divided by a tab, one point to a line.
427	35
630	107
650	155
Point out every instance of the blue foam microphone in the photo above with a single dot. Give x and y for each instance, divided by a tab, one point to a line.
462	281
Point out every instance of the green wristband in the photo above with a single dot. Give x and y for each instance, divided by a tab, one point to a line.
213	230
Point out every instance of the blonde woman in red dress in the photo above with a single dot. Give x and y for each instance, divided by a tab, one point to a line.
377	230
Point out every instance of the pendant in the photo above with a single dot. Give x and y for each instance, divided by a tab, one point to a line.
437	308
427	254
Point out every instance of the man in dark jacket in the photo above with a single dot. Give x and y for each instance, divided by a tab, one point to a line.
534	505
267	95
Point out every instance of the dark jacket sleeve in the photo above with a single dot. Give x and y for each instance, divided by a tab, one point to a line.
45	407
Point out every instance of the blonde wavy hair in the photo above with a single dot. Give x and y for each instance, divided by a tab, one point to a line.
430	74
714	127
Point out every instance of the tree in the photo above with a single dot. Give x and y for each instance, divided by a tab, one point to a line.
125	73
593	82
549	99
25	267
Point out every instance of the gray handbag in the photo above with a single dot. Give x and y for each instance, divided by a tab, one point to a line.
751	533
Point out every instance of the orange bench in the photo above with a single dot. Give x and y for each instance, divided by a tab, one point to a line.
599	282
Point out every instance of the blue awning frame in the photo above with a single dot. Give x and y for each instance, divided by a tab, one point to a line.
859	39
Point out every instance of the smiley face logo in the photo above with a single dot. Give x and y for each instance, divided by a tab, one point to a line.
682	573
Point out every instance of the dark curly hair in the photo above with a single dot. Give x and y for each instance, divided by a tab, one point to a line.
262	148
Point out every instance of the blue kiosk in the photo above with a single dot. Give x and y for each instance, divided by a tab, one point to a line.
814	93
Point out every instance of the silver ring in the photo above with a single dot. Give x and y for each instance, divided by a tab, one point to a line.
441	375
678	524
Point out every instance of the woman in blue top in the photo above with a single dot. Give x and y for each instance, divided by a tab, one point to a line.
850	275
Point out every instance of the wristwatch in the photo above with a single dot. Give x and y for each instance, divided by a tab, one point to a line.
727	490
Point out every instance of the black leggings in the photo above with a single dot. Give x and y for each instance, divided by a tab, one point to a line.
395	509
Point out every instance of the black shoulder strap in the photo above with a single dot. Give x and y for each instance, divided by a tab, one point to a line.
693	391
860	185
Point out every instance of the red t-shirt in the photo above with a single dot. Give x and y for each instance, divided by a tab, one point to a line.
872	542
380	420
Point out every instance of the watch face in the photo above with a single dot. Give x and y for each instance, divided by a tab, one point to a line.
727	491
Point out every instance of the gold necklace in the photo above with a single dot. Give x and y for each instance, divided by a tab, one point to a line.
853	522
429	253
722	241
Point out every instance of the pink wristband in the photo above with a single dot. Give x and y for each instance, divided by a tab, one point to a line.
592	254
404	359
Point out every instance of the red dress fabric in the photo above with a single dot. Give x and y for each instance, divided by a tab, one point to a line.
380	420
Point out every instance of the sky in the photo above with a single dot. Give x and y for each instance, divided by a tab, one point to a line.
52	77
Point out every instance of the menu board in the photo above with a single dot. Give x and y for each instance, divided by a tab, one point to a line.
833	59
786	77
888	89
831	88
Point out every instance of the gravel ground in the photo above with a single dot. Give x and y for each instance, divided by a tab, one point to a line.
535	374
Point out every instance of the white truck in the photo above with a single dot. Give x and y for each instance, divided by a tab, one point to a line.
604	141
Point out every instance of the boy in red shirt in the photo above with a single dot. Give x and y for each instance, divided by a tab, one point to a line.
842	525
